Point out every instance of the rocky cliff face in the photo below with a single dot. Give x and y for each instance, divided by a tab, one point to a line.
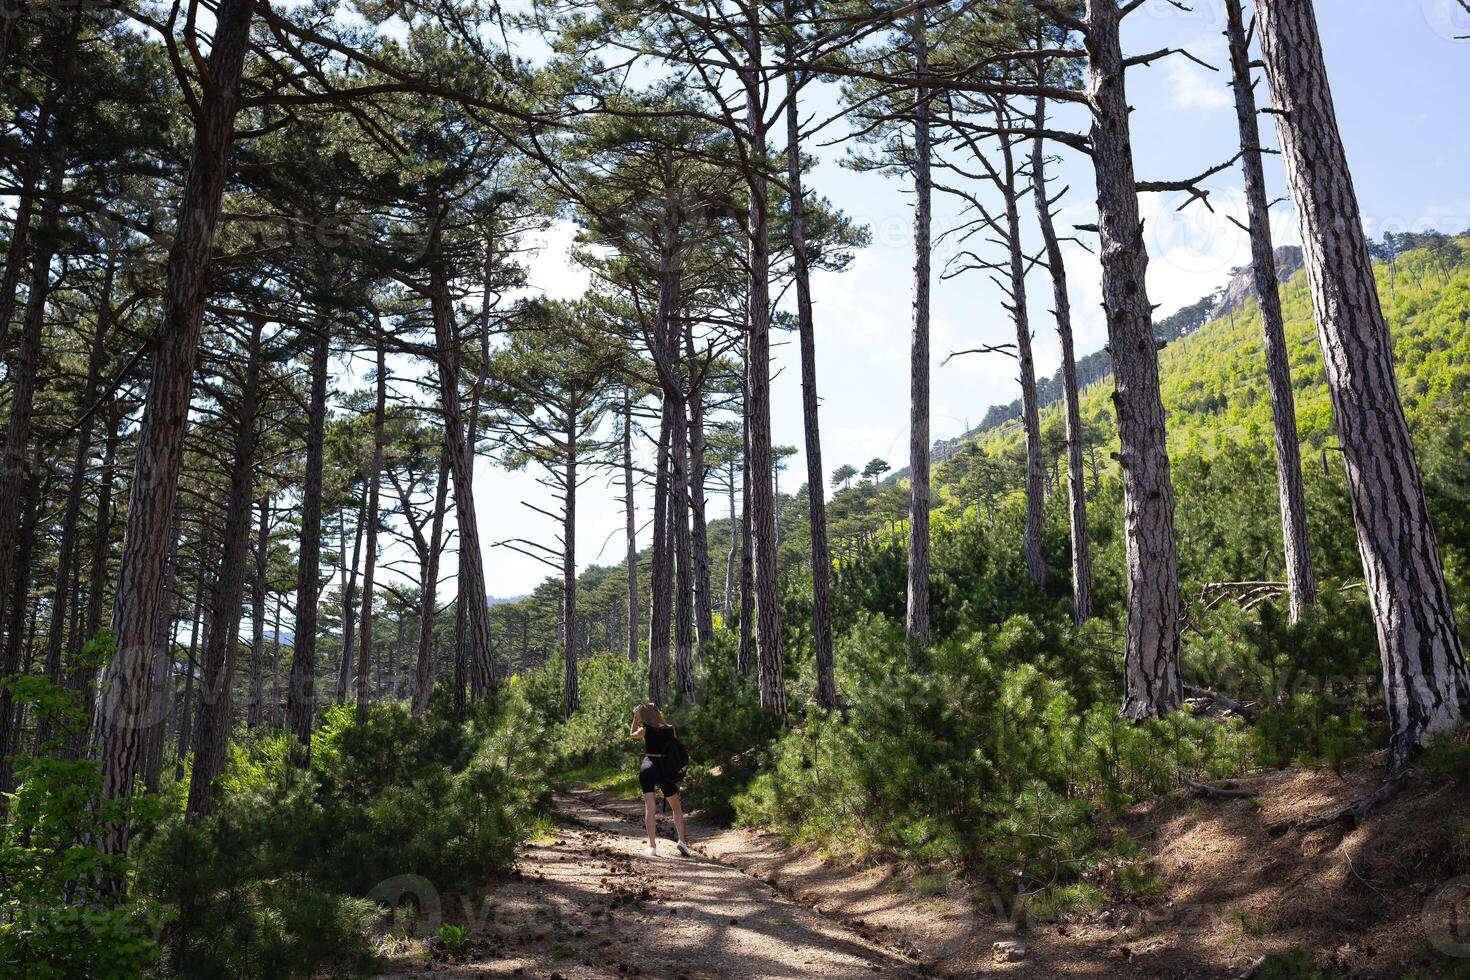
1242	286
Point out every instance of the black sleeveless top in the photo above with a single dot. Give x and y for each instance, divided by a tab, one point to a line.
656	739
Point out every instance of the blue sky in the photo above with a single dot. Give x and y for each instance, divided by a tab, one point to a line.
1399	82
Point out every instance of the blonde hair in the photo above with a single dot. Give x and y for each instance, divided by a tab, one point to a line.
649	715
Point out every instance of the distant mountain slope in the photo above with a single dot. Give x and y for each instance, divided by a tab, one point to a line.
1212	378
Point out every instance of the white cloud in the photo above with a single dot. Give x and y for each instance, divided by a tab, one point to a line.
1192	90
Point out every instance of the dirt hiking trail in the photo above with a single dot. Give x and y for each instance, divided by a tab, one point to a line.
590	904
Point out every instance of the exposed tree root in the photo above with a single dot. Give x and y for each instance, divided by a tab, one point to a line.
1226	792
1357	811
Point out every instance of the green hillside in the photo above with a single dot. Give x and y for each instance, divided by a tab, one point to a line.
1213	380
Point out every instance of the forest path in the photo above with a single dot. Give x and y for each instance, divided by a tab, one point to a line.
590	904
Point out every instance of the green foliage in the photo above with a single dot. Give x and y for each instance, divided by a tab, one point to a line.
62	913
269	883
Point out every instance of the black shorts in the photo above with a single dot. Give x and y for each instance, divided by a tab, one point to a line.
652	773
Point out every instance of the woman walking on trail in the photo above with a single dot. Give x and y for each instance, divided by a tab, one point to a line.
656	772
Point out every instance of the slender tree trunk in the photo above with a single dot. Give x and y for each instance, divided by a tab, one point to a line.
186	704
747	563
162	680
254	707
123	692
683	551
374	480
1030	409
704	617
349	595
15	253
429	600
1301	584
1062	310
276	717
1151	641
24	371
730	552
570	699
918	573
301	695
770	660
64	596
1426	685
630	525
471	563
17	600
661	577
102	526
826	692
213	724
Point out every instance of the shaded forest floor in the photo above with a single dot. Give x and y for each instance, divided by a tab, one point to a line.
1236	880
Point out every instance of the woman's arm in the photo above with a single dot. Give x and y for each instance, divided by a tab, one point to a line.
637	731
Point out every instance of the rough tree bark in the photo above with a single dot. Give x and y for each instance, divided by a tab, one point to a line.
123	692
301	695
1151	640
704	613
471	563
660	612
1026	363
212	730
1301	584
826	691
374	482
1062	310
630	525
682	554
255	696
917	620
570	698
1426	685
349	595
770	661
429	599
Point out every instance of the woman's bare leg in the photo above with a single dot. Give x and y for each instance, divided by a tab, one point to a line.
678	808
650	819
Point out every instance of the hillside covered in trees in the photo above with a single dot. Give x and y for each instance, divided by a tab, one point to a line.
1156	672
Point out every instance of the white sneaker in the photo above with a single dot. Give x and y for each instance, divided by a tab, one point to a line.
683	848
651	852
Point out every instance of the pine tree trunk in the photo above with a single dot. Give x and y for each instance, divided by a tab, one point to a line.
747	561
123	692
704	614
349	596
570	699
826	692
683	552
301	695
1030	409
213	724
1425	682
161	680
472	595
630	525
63	596
254	705
374	482
769	658
725	600
102	525
661	577
1151	640
1301	584
17	601
917	621
24	369
186	702
429	601
1062	310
